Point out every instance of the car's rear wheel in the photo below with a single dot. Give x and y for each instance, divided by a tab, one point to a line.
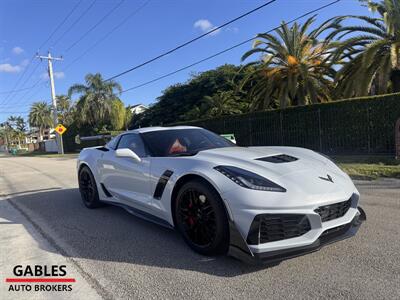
88	188
201	218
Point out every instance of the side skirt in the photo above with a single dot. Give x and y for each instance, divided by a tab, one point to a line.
142	214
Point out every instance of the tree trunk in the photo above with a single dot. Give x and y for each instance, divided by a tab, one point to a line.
40	134
395	79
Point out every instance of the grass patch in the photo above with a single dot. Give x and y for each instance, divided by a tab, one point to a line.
369	167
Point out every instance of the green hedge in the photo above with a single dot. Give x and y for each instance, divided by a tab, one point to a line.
359	125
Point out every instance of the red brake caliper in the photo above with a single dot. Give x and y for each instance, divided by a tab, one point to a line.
190	218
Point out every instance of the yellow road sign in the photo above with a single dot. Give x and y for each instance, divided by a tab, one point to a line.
60	129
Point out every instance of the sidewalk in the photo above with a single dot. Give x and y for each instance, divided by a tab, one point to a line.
22	244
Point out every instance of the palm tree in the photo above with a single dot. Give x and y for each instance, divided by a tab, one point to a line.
295	66
222	103
17	128
95	103
65	109
40	117
370	59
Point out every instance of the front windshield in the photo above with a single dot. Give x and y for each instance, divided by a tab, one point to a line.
181	142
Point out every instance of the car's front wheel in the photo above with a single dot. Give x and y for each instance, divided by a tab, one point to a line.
88	188
201	218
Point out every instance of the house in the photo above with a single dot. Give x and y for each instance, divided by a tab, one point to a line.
34	136
138	108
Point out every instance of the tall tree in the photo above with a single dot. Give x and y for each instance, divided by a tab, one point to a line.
128	117
222	103
65	109
371	51
40	117
20	124
96	97
177	100
117	116
295	68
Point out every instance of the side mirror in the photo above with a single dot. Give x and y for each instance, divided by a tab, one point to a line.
125	152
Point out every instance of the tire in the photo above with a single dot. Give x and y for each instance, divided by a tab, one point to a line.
201	218
88	188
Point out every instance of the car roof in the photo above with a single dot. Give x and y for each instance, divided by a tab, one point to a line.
160	128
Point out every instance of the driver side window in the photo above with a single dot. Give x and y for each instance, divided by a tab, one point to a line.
133	142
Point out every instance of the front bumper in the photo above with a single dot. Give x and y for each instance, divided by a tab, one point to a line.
239	249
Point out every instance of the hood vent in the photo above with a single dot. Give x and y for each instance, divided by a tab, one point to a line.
278	159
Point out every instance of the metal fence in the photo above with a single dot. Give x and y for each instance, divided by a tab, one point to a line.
362	126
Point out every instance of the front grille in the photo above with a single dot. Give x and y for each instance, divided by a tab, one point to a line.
333	211
275	227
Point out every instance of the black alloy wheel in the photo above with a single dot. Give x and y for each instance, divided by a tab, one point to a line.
201	218
88	188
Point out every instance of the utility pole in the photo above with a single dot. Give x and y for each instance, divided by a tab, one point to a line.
53	97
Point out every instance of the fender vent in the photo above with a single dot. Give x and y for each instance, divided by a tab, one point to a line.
278	159
162	182
104	149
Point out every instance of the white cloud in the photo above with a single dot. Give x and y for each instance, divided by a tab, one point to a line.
59	75
56	75
17	50
8	68
205	25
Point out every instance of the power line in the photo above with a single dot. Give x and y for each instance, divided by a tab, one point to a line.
108	34
31	93
44	43
60	24
26	80
192	40
20	78
16	91
227	49
74	23
95	25
69	28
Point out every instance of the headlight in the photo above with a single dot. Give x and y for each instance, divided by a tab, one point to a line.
249	180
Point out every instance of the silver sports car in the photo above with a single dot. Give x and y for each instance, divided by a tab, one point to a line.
255	203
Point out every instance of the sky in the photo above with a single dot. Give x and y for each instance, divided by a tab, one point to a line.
144	29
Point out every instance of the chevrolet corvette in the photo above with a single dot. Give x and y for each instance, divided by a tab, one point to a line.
259	204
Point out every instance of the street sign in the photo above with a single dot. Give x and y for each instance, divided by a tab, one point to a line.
60	129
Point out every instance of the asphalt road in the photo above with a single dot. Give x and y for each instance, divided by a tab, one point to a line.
116	255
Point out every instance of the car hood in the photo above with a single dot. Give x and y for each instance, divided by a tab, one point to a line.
310	172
